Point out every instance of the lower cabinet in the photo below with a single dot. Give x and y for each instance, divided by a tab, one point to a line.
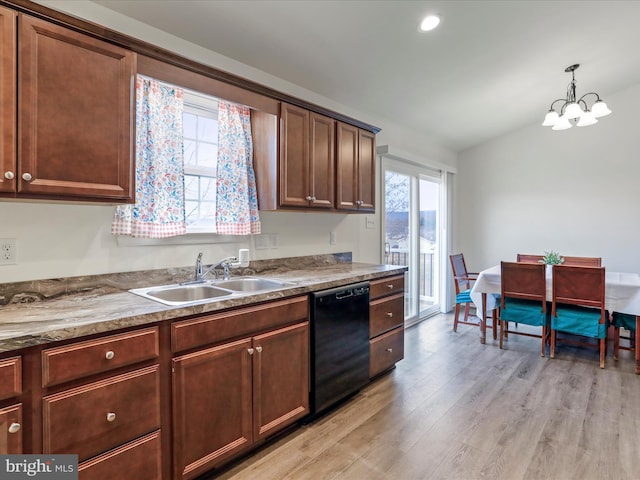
386	324
11	429
228	397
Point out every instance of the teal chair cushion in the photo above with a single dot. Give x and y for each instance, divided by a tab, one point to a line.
464	297
624	320
579	321
523	311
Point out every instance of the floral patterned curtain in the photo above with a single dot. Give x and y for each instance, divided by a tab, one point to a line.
236	196
159	208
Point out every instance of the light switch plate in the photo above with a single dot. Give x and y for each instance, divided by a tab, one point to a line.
370	221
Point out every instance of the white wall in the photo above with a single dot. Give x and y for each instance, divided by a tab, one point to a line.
573	191
60	240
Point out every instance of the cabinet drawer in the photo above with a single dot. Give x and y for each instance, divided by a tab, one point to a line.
97	417
10	377
386	314
386	286
139	459
385	351
11	429
210	329
82	359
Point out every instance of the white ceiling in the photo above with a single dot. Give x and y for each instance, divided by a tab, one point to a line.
491	66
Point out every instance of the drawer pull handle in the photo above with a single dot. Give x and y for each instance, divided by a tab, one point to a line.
14	427
109	355
389	314
259	349
250	351
111	417
390	286
390	350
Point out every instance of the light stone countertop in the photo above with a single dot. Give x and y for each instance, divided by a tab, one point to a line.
97	310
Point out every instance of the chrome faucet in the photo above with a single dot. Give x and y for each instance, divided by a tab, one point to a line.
225	263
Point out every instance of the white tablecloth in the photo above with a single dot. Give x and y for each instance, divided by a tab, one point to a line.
622	290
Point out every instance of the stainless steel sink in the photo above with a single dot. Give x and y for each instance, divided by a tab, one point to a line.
251	284
195	293
183	294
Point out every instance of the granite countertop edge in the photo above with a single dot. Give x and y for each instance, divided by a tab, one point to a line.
82	314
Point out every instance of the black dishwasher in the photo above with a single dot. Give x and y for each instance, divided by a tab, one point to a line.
339	344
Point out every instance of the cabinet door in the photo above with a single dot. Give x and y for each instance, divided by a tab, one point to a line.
366	171
281	378
211	406
347	167
7	100
11	429
322	161
75	114
294	156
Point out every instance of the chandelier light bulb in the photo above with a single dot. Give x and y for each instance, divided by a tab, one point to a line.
586	119
550	118
573	110
562	124
600	109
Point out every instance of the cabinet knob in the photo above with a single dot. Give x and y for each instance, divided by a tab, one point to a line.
27	177
250	350
14	427
389	314
359	202
313	199
111	417
390	350
9	175
390	286
309	198
109	355
259	349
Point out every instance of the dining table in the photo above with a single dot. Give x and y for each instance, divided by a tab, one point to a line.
622	295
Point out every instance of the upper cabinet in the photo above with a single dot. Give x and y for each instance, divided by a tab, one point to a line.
7	99
355	159
307	158
75	115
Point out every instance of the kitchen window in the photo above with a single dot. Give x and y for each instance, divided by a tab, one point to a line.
200	127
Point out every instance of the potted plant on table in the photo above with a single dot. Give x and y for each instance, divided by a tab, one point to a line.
551	258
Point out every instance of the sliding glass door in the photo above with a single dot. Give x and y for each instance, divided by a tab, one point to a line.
412	233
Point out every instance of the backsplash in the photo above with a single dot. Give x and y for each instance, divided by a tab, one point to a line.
38	290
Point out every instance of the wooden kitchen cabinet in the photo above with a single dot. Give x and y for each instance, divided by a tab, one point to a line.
11	426
386	324
75	111
101	400
7	98
307	158
355	167
228	397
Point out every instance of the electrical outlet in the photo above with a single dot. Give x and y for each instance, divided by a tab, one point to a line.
7	251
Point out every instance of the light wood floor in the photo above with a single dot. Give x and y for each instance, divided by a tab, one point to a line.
456	409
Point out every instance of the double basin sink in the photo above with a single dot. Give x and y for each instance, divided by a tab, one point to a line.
203	292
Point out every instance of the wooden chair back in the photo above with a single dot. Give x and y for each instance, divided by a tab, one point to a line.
583	286
525	258
525	281
582	261
460	274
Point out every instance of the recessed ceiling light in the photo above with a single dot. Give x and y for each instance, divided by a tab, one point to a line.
429	23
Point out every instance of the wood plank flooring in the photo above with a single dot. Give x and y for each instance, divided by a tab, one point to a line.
456	409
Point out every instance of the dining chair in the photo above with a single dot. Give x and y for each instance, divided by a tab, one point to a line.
523	299
582	261
526	258
463	281
628	322
577	306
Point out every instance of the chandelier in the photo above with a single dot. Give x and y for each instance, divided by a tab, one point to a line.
574	111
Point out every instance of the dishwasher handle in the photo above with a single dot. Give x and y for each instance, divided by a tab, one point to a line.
344	294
